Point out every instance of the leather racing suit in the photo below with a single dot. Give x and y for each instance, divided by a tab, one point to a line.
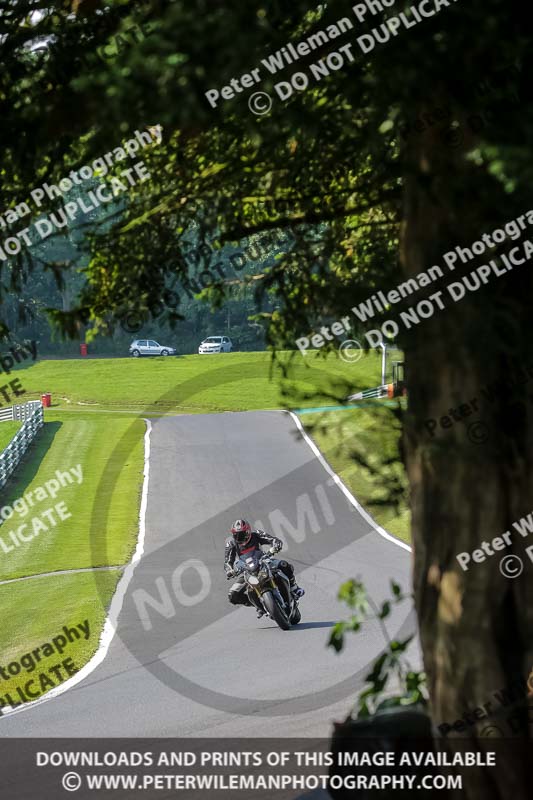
233	551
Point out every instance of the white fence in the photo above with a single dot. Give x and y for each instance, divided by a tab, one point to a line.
32	418
379	391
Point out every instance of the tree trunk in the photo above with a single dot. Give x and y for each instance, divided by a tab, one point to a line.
475	625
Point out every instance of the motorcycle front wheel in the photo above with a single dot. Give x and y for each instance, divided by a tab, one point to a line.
274	611
295	616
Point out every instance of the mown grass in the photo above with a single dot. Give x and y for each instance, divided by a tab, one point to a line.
201	384
7	431
101	531
35	611
102	528
362	446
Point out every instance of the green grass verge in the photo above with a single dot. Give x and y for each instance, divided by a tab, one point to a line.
101	531
362	447
34	612
201	384
103	525
7	431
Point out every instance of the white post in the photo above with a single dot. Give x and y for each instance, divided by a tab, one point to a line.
383	362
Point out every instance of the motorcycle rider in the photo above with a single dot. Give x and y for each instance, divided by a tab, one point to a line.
244	539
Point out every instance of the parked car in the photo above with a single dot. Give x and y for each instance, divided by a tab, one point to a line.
215	344
147	347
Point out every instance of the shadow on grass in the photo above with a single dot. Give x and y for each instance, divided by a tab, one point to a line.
16	368
29	466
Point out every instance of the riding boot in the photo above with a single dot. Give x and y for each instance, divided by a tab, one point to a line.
296	590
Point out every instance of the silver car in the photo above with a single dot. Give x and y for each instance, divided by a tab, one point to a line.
215	344
147	347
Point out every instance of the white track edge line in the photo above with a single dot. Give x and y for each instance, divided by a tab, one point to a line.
344	489
117	600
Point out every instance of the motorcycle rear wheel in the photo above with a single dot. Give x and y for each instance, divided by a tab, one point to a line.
274	611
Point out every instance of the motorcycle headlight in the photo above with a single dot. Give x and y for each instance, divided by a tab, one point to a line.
253	580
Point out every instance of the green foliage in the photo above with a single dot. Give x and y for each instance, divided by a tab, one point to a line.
232	164
327	168
391	667
365	450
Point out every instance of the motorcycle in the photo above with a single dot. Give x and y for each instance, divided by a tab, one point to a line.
268	588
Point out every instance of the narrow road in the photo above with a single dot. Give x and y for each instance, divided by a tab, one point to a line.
183	662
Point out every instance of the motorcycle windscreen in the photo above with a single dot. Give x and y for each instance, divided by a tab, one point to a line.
250	558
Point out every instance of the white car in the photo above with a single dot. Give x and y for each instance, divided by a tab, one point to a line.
215	344
147	347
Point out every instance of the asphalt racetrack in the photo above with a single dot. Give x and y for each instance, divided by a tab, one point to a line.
183	662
